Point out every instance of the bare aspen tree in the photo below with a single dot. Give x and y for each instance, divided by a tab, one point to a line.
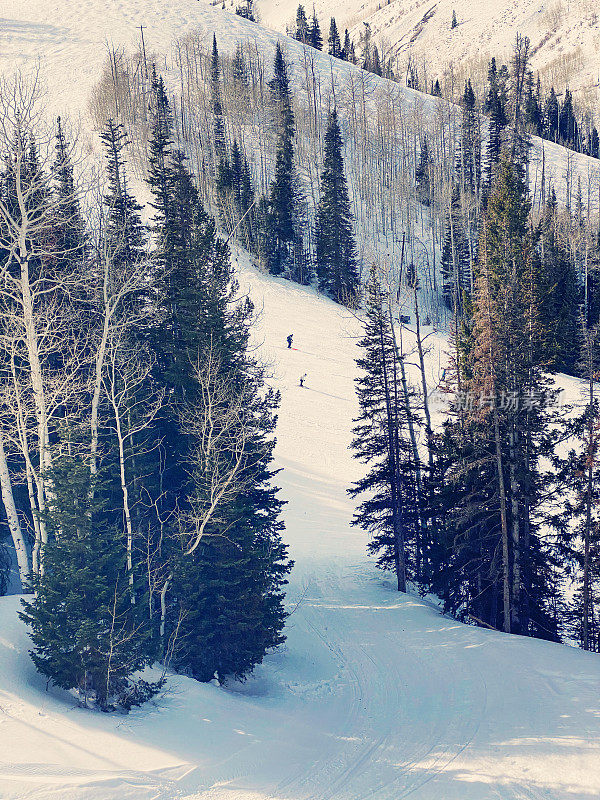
220	463
39	319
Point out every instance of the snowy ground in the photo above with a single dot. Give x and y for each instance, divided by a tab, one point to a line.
375	695
564	35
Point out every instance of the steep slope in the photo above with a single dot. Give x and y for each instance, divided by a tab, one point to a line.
375	695
564	35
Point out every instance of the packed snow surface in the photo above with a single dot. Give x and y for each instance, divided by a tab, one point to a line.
375	695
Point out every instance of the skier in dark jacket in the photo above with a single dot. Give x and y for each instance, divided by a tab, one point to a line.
289	340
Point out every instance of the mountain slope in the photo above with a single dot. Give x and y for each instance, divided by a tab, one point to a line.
565	36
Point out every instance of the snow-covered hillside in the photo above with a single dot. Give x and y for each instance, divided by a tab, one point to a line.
375	695
565	35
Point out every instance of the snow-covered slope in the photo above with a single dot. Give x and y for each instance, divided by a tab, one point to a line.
375	695
564	34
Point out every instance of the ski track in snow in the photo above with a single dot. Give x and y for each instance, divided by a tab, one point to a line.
375	695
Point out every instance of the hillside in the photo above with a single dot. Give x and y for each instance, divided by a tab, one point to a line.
564	35
375	695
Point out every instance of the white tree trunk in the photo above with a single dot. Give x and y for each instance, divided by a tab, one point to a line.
12	517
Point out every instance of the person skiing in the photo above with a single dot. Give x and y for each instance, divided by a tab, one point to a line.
289	340
302	379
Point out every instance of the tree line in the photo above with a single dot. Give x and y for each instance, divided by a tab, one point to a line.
494	512
137	430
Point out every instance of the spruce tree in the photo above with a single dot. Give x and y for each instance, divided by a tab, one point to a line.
423	175
456	272
230	587
302	32
561	295
123	231
69	228
469	166
551	116
375	62
499	564
495	106
580	532
347	49
246	10
334	44
594	144
223	168
86	633
381	441
159	150
285	255
225	595
315	38
336	250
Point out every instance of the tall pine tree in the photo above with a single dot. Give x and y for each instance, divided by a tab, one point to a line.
336	250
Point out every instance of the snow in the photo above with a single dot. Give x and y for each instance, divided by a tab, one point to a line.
564	35
375	695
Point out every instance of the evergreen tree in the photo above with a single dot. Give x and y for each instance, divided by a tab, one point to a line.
334	44
381	441
123	231
533	111
561	295
456	271
497	566
551	116
581	468
246	10
347	49
314	35
242	197
375	62
423	175
159	150
70	229
223	168
336	249
240	70
302	32
567	124
225	595
86	633
469	167
285	256
229	587
594	144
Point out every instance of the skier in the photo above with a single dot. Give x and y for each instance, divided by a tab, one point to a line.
302	379
289	340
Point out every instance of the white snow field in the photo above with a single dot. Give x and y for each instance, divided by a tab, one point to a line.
564	35
375	695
